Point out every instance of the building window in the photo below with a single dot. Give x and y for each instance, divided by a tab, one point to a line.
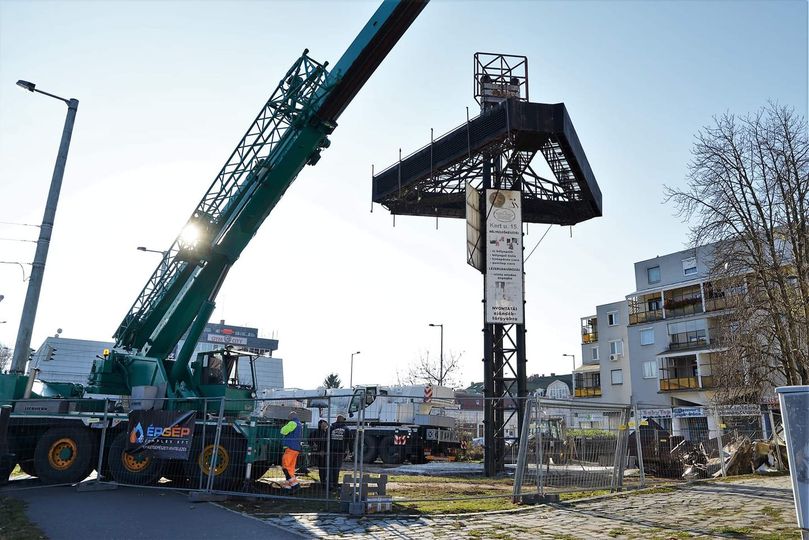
653	274
612	318
650	369
647	336
616	347
690	266
617	376
594	353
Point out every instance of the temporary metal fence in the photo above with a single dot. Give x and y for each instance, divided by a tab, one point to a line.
396	452
572	446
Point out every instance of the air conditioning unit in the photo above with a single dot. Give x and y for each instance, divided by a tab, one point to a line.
616	356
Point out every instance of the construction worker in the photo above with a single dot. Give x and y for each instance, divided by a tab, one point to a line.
317	449
340	437
291	442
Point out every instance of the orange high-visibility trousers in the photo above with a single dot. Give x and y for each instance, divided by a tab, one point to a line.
288	462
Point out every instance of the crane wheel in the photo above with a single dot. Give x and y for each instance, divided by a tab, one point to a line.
132	468
63	455
230	465
390	453
371	450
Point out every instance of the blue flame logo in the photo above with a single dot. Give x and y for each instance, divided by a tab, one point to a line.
136	435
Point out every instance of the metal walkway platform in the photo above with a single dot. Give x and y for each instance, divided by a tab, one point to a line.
430	181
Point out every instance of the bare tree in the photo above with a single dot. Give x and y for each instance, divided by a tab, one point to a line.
428	371
748	199
5	358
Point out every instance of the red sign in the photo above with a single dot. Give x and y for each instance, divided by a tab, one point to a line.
428	394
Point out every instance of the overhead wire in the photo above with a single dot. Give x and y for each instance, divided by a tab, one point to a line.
539	242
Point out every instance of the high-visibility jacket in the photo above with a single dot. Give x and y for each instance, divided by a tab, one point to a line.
292	431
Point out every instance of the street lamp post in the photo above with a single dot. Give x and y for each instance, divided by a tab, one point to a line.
572	374
29	309
441	356
351	375
163	263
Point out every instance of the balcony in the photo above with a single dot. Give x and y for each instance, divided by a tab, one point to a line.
588	383
592	391
645	308
681	373
683	301
589	329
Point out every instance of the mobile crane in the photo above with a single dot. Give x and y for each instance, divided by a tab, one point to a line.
290	131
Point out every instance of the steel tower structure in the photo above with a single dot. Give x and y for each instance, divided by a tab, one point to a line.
496	150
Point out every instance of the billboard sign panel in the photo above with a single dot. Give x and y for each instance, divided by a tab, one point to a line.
504	269
474	254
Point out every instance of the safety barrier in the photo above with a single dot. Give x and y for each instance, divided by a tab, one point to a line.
399	453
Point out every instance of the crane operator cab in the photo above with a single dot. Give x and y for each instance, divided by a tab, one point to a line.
228	372
362	397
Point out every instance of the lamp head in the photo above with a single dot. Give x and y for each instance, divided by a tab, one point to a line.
27	85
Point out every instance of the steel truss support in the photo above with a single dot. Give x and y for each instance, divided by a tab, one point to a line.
505	387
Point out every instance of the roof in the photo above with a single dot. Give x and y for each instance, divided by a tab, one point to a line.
587	368
534	383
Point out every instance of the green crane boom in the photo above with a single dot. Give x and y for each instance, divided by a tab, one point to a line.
289	132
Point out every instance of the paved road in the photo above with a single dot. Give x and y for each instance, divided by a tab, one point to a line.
760	508
132	513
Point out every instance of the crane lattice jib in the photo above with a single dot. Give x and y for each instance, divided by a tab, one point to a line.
289	132
293	99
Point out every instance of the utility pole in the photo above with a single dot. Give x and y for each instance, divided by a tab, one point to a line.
29	310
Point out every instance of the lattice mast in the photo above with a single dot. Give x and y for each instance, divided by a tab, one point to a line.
496	151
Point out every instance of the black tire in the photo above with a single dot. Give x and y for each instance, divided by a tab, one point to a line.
27	467
390	453
136	468
371	448
63	455
230	469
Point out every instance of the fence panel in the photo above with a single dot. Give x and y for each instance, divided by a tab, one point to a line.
574	447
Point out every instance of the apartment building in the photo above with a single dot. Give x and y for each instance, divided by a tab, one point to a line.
655	348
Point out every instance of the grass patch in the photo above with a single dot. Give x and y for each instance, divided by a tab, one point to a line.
573	495
783	534
417	479
771	512
14	524
614	533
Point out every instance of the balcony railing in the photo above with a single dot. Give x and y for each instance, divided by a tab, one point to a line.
679	383
594	391
645	316
716	304
688	340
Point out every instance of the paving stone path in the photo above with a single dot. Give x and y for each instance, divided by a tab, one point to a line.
753	507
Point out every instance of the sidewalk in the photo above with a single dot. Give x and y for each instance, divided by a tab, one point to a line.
751	507
132	513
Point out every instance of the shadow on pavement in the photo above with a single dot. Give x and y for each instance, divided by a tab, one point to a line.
134	513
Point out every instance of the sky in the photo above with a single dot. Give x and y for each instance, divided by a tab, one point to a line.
167	89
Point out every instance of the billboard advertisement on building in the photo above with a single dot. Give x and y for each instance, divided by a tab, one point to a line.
504	270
